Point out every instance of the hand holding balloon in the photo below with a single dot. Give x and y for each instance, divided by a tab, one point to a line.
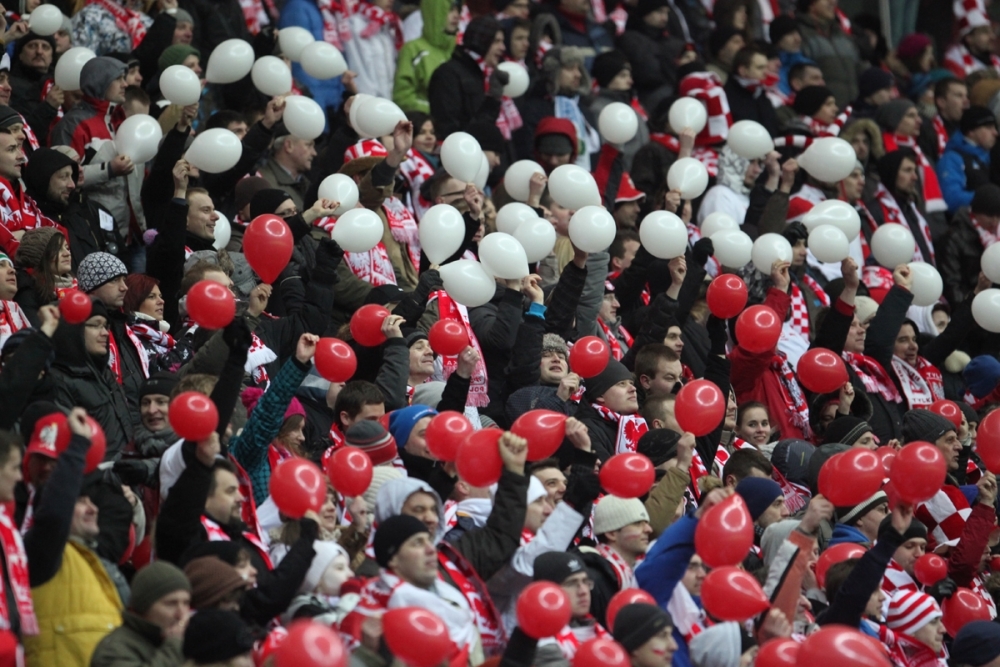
903	276
467	361
274	112
259	297
987	486
391	326
714	497
779	275
305	350
474	198
819	510
788	172
402	140
181	173
536	187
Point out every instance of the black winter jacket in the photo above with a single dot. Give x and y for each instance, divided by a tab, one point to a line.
458	96
653	54
750	106
960	259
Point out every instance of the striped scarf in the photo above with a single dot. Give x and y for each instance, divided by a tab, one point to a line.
613	342
940	133
791	393
472	588
933	199
896	579
623	571
509	118
962	63
630	428
986	237
378	19
706	155
114	357
215	533
415	170
799	321
921	385
893	214
17	573
449	309
689	618
707	87
569	639
872	375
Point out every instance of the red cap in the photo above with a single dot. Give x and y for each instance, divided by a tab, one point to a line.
627	190
50	437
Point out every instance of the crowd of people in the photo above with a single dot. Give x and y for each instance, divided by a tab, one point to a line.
125	544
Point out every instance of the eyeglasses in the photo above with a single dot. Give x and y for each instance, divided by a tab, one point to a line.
587	583
105	326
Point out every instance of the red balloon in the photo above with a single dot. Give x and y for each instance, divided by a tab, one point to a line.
949	410
98	446
589	356
839	645
758	329
988	441
628	475
366	325
210	304
726	296
543	609
599	652
930	569
335	360
445	433
886	455
448	337
478	460
267	246
731	594
8	648
777	653
725	533
961	608
193	416
700	407
297	486
543	429
311	644
75	306
622	598
416	636
821	371
350	471
918	471
995	564
836	554
851	477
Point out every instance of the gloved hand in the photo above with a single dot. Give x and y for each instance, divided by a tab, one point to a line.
328	256
943	589
429	282
238	337
703	249
717	334
582	488
498	79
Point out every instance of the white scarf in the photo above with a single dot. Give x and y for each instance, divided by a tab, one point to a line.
915	388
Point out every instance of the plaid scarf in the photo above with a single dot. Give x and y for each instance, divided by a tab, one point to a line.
707	87
944	515
378	19
630	428
940	133
623	571
127	20
933	199
986	237
962	63
791	393
449	309
872	375
17	573
613	342
892	213
978	586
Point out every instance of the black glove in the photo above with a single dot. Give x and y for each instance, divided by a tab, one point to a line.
238	337
703	249
717	334
943	589
328	256
429	282
498	79
660	279
582	488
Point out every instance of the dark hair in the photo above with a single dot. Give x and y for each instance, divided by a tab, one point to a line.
355	396
750	405
221	464
139	287
433	186
289	425
418	118
200	382
622	236
724	10
744	57
137	94
798	70
197	273
45	275
649	358
224	118
942	86
544	464
743	461
837	575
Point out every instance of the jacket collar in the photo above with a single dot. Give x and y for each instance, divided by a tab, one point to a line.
150	632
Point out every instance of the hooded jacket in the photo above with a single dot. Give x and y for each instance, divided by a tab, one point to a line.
546	126
26	95
457	95
419	58
963	167
93	117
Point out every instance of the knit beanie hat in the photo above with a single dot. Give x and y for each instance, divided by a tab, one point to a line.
759	493
911	610
557	566
380	475
393	533
848	515
636	624
267	200
31	37
175	55
97	269
982	374
865	308
612	374
211	581
428	393
659	445
182	16
536	490
975	117
554	343
985	200
924	425
644	8
479	34
912	45
372	437
32	247
782	25
152	582
791	458
160	383
401	422
214	636
811	99
976	644
252	395
846	429
890	114
718	38
325	553
916	531
873	80
609	64
614	513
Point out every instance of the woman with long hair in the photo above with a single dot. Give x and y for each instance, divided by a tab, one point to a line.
45	270
144	307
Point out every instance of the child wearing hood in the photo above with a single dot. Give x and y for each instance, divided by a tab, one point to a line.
320	596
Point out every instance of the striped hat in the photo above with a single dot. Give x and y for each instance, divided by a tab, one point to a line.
911	610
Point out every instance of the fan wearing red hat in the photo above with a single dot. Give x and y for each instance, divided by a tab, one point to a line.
628	203
973	51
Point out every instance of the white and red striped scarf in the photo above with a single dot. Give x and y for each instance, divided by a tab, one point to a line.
843	21
46	89
468	582
872	375
335	29
897	579
569	643
449	309
707	87
623	571
630	428
379	18
933	199
800	311
160	341
216	534
893	214
415	170
921	385
373	267
613	342
944	515
403	228
796	495
127	20
20	212
12	320
791	393
688	617
257	13
986	237
707	155
114	358
905	651
962	63
618	15
940	133
17	573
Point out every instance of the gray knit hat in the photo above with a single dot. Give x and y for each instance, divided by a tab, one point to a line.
924	425
612	374
554	343
152	582
890	114
99	268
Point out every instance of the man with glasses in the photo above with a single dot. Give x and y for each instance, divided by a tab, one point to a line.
568	571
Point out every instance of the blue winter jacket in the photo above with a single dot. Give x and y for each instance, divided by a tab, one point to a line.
951	171
788	61
847	535
305	14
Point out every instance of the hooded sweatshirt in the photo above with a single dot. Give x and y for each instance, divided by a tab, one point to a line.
420	57
93	117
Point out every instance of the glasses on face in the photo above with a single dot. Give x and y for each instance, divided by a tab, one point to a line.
96	327
587	583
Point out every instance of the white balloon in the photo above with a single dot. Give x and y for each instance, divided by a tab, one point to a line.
483	174
223	232
990	263
356	103
322	60
230	61
537	237
67	74
716	222
303	117
829	159
461	156
573	187
927	284
342	188
502	255
834	212
139	137
293	40
45	20
271	76
986	309
467	282
214	151
828	243
510	216
380	117
358	230
689	176
892	244
592	229
518	84
517	179
618	123
180	85
442	231
768	249
733	248
663	234
749	140
687	112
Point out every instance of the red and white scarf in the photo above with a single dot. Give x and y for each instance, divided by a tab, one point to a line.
940	133
215	533
19	212
707	87
979	588
623	571
114	358
12	320
986	237
569	643
257	13
707	155
630	428
905	651
403	228
160	341
933	199
335	28
258	356
791	393
449	309
818	128
944	515
800	311
688	617
962	63
17	574
468	582
796	495
378	19
897	579
921	385
509	118
613	342
872	375
893	214
127	20
415	170
712	266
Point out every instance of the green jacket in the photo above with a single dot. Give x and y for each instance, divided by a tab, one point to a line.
420	57
137	642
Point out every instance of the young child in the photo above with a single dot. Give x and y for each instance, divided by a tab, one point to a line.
320	595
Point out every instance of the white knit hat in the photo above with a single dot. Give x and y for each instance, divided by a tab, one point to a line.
380	475
536	489
613	513
325	553
911	610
